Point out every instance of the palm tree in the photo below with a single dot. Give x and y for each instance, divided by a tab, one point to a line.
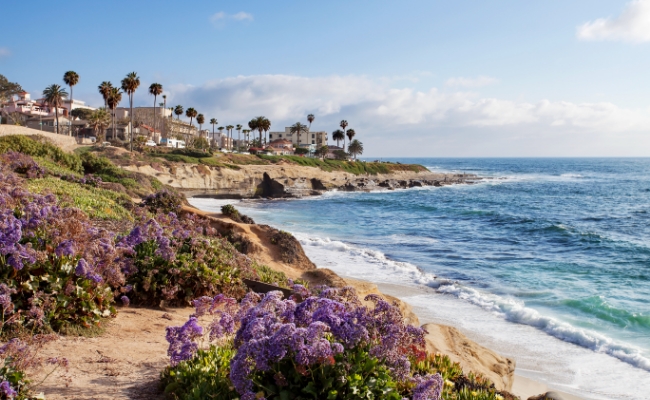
311	119
191	113
253	124
114	98
265	123
213	121
220	129
350	134
356	147
54	95
299	128
343	125
229	130
71	78
238	127
99	120
130	84
178	110
338	135
156	90
200	119
104	90
247	136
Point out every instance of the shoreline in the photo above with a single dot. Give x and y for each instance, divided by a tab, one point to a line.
529	380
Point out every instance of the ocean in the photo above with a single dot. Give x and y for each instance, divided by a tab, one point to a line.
544	260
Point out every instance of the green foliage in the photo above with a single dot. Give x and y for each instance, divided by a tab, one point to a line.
301	150
52	286
81	113
136	184
36	146
353	374
231	212
203	377
201	143
95	202
354	167
200	267
271	276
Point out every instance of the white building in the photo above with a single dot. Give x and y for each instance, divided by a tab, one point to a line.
317	138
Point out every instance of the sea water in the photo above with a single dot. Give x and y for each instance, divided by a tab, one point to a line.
544	260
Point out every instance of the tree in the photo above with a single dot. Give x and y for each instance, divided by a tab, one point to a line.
178	110
191	113
71	78
220	129
253	124
114	98
247	135
338	135
213	121
201	143
355	148
311	119
322	152
229	129
200	119
105	90
265	123
350	134
99	120
343	125
238	127
156	90
298	128
130	84
81	113
8	89
54	95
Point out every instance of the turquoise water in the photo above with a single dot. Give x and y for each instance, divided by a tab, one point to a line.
559	245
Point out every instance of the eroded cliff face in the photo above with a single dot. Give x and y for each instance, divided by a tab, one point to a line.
284	180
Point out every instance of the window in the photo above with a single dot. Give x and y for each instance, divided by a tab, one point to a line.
280	135
270	135
313	135
313	142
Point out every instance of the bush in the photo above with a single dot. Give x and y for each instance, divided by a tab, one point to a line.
172	261
164	201
39	147
231	212
289	245
301	150
203	377
22	164
329	346
55	268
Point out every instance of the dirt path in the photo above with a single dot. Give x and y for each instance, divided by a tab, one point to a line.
123	363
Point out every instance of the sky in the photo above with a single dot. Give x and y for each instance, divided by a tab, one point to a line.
421	78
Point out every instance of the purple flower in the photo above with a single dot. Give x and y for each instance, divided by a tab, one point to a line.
428	388
180	339
82	268
66	248
125	301
7	390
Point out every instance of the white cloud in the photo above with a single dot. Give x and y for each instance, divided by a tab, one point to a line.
4	52
447	123
633	25
471	82
219	19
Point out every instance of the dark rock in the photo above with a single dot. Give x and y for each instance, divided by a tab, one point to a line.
547	396
415	184
316	184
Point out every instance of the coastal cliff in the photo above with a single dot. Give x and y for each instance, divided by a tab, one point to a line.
284	180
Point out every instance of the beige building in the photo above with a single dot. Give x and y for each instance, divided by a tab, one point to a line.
317	138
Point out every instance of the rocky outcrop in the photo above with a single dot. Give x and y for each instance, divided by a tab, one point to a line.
284	180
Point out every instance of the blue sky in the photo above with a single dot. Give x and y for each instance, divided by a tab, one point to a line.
420	78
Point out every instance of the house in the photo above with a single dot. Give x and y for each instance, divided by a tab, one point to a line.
48	124
331	151
149	132
75	104
280	151
226	142
28	107
120	131
317	138
281	143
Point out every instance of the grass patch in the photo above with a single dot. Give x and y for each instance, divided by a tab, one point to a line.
353	167
36	146
95	202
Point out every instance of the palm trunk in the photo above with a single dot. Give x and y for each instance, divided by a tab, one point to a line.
56	113
154	117
70	113
131	128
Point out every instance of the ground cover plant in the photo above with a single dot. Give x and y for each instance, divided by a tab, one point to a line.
354	167
321	345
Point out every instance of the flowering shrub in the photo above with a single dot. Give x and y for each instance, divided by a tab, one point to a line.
56	268
22	164
39	147
327	346
164	201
